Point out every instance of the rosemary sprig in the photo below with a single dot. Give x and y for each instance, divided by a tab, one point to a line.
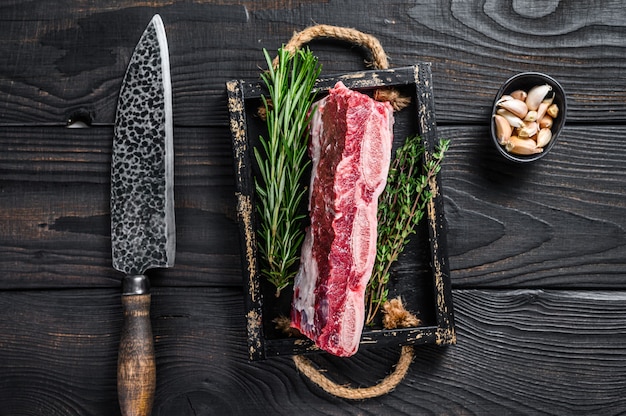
400	208
282	160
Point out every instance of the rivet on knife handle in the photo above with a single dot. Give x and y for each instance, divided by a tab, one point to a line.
136	381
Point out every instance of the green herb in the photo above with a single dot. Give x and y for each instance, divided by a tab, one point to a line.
400	208
282	160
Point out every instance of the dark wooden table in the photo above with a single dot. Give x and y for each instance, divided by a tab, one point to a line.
537	253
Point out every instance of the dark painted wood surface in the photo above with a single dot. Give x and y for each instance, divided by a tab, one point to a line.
538	253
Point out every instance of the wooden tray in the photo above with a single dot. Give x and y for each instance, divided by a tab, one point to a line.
421	275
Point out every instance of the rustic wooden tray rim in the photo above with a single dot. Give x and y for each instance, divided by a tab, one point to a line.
260	347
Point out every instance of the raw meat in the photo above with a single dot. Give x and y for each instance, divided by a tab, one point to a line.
351	137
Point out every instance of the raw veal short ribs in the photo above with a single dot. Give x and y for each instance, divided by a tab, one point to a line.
351	138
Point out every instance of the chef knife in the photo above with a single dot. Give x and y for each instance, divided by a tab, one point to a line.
142	207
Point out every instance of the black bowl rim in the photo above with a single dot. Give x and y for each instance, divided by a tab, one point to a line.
555	134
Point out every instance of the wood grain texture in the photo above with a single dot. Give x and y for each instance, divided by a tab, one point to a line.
59	352
62	57
54	208
556	223
537	253
519	352
136	366
509	225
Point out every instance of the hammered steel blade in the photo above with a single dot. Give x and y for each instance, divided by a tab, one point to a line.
142	208
142	202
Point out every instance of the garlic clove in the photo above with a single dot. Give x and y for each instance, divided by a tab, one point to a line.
503	129
536	96
515	106
513	120
531	116
504	98
520	146
541	111
519	95
553	110
543	137
545	122
548	99
528	130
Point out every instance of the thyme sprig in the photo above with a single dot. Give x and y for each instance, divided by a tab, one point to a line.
400	208
282	160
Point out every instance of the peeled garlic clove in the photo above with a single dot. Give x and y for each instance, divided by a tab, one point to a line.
509	145
513	120
536	96
545	122
531	116
516	107
503	99
541	111
519	95
543	137
528	130
548	100
520	146
553	110
503	129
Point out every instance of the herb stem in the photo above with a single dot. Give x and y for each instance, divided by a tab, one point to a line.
400	208
282	160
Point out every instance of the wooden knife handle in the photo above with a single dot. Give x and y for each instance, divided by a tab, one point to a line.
136	368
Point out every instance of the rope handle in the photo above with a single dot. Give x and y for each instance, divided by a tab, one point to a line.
306	367
355	37
396	316
342	33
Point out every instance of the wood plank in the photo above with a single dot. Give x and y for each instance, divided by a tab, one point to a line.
522	351
50	344
54	208
509	225
537	252
556	223
64	56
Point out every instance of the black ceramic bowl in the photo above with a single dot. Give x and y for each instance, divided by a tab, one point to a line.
525	81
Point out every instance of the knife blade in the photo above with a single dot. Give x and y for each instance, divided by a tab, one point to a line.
143	234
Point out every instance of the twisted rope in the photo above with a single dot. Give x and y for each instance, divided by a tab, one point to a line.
352	36
395	317
355	37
